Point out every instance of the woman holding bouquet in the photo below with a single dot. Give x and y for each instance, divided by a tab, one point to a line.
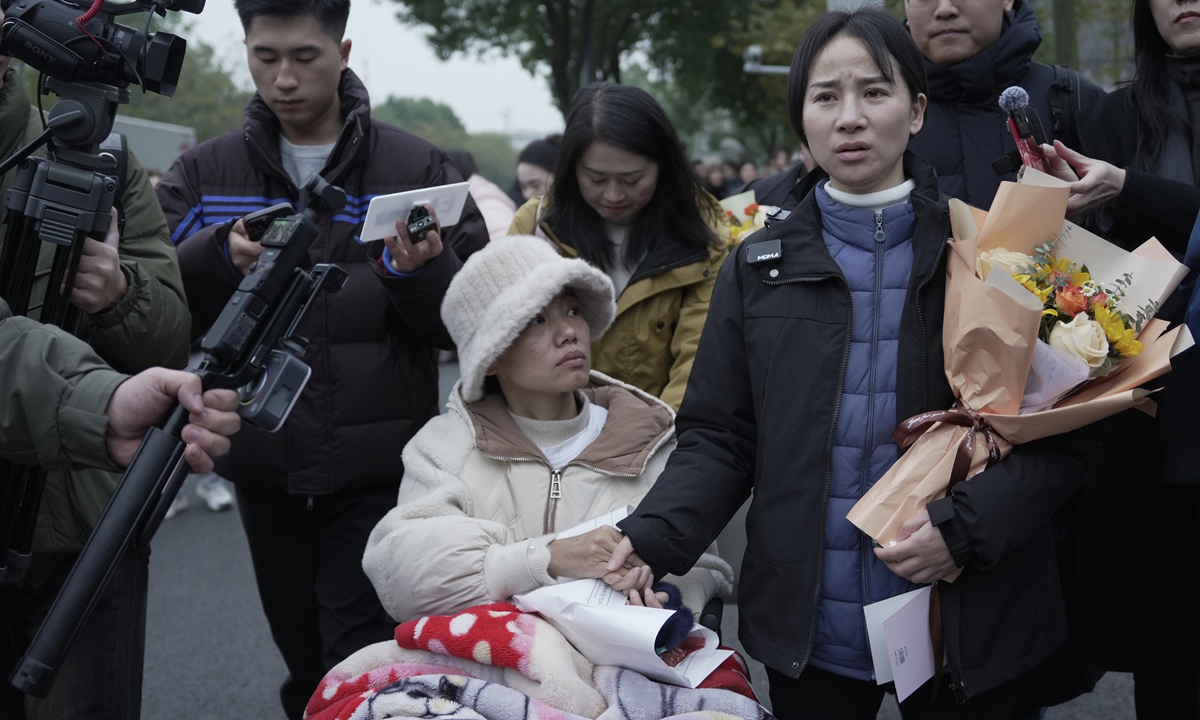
823	334
626	200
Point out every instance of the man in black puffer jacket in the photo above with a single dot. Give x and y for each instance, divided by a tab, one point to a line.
973	52
310	494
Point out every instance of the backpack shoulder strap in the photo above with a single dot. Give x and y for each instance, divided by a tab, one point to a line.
1065	103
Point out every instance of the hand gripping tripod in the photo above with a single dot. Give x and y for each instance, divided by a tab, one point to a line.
61	202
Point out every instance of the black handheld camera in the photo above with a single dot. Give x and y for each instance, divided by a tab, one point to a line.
82	42
274	376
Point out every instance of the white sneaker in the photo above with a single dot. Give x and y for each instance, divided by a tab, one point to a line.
178	505
212	490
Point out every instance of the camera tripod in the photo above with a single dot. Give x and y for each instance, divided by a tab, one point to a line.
61	202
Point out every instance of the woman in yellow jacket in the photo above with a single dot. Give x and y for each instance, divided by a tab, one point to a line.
626	200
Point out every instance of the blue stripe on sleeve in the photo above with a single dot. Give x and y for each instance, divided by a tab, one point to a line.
184	229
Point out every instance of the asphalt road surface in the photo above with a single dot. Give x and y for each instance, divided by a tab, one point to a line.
209	653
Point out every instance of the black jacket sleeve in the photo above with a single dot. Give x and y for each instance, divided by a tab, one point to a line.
1152	206
711	471
1149	205
991	515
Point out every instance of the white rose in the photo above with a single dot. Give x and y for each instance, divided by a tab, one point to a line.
1083	338
1008	261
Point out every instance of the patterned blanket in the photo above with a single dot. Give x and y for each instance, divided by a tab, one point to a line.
492	662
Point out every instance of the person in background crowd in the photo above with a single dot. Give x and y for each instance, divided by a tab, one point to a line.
763	417
135	317
1140	168
715	180
494	204
747	172
733	182
472	525
309	494
701	170
778	160
535	167
774	190
625	200
974	50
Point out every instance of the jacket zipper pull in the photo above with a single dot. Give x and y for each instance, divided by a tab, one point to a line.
879	236
552	501
310	503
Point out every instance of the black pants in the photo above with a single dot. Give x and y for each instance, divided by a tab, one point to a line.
821	695
307	555
1169	695
101	674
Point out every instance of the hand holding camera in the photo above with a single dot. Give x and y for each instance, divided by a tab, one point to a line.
242	250
418	240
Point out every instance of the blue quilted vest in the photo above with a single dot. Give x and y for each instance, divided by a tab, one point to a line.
874	251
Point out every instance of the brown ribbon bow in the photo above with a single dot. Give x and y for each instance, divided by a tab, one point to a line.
916	426
906	434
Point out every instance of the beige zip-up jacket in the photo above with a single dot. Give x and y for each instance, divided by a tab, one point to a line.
477	512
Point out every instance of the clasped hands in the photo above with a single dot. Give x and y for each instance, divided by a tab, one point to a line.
920	555
605	554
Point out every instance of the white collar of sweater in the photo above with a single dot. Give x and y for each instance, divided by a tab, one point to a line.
876	200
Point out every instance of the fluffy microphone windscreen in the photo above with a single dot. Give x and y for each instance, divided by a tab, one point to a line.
1013	99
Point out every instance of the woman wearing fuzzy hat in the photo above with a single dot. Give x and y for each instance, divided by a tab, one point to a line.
534	442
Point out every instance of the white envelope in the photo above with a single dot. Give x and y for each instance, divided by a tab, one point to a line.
383	212
910	649
901	649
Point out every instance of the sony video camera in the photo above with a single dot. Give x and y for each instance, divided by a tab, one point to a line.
80	41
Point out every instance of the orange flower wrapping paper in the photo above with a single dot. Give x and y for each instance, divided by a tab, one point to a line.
989	338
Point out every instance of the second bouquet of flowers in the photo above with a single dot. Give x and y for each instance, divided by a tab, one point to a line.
1047	328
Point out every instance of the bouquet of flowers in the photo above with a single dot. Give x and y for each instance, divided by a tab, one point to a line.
1084	331
1047	328
745	215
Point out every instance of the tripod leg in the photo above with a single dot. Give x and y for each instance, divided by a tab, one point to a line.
57	308
18	264
20	549
15	479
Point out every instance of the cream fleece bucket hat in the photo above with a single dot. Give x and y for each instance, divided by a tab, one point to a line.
504	286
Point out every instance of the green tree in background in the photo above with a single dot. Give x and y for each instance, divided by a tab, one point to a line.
494	154
550	35
207	99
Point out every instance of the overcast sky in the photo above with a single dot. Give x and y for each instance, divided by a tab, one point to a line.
495	94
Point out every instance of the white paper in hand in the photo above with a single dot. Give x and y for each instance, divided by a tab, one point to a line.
606	630
383	212
597	621
901	649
